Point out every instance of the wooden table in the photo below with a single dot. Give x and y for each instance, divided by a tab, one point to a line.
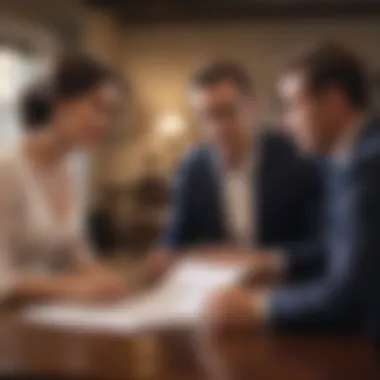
173	355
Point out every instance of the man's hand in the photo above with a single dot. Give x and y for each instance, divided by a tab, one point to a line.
263	267
230	316
235	307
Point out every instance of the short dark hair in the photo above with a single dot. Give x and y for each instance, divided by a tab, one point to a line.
330	64
222	70
74	75
77	74
35	106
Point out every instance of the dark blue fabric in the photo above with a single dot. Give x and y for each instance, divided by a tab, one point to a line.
347	295
287	189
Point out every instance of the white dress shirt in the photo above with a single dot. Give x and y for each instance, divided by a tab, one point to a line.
238	190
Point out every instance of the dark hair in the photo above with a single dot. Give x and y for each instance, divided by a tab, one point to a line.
73	76
219	71
77	74
330	64
36	107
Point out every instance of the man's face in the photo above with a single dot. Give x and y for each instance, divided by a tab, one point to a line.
310	117
225	113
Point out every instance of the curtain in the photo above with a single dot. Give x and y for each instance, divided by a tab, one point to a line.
16	69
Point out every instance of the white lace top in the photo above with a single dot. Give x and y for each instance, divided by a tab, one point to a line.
32	239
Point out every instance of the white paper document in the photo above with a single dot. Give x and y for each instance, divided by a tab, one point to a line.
177	301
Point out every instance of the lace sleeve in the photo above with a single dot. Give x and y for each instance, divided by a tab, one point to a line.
8	214
81	252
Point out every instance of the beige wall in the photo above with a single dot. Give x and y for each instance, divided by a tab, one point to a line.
103	37
158	61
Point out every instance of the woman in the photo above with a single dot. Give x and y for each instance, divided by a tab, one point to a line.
43	249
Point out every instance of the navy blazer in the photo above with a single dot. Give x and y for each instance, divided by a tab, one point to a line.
287	191
347	296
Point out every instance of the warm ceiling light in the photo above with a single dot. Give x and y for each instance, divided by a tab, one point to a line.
170	125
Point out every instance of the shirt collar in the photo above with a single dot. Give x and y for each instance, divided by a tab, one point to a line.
343	148
244	166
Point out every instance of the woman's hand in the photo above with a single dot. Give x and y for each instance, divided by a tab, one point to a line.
77	287
95	289
96	282
156	265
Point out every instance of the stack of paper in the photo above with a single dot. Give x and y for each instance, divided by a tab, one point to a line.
176	302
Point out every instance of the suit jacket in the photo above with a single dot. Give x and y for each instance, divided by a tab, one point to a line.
287	191
346	296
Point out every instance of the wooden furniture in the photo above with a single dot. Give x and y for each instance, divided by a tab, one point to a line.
136	212
173	355
148	12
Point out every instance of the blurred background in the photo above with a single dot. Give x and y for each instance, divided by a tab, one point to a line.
156	44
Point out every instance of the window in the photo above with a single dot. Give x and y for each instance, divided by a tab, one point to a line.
25	51
16	70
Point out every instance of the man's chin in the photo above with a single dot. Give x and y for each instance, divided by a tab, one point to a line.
308	149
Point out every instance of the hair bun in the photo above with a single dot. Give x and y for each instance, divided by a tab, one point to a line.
36	106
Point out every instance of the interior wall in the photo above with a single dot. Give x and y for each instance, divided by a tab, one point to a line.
67	25
158	61
102	37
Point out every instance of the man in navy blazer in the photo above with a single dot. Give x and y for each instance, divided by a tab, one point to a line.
326	93
286	190
243	187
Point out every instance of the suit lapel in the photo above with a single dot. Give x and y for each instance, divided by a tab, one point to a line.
216	196
262	189
367	137
260	184
265	185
